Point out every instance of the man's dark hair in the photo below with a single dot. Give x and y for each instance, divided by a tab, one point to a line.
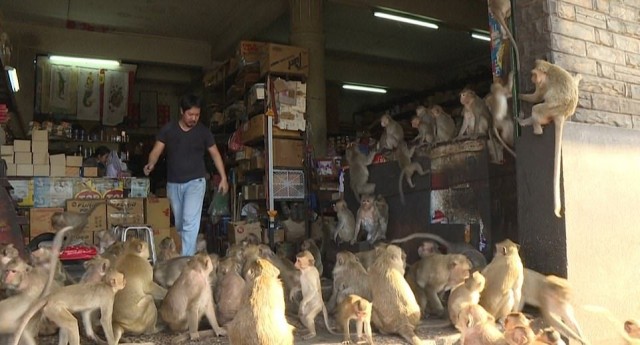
189	101
101	150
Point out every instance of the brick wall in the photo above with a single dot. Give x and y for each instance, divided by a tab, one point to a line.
599	39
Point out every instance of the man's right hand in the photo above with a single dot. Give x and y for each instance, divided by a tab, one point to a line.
148	169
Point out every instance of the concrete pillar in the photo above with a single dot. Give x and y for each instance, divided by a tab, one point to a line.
307	31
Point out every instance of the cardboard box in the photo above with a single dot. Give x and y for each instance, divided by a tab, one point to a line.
40	158
245	154
52	191
22	192
74	161
11	169
58	160
6	150
157	212
89	172
128	211
39	135
23	158
57	170
40	220
288	153
257	162
278	58
238	231
8	159
72	171
41	170
254	129
97	220
98	188
40	146
24	169
22	146
255	94
249	52
138	187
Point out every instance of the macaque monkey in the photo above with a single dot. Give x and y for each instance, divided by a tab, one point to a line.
113	252
369	218
261	319
504	277
517	330
349	278
395	309
392	133
466	293
407	167
476	115
501	10
7	252
229	290
106	238
355	308
548	336
167	250
76	220
310	245
558	92
445	126
345	229
312	303
358	171
552	295
425	126
41	257
85	298
496	102
166	272
478	327
190	297
632	328
251	239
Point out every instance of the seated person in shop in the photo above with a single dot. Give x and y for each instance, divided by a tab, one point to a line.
99	160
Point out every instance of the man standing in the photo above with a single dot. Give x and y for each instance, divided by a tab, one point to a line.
186	141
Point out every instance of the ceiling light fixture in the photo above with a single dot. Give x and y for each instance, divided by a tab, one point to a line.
13	78
79	61
364	88
408	20
480	36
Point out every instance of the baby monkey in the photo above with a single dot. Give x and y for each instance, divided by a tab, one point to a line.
356	308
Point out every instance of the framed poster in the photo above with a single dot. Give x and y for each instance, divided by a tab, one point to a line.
148	109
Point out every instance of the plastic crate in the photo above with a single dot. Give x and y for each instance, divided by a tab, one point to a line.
288	184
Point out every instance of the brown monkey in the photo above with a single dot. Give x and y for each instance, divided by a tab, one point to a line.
467	293
113	252
261	319
345	229
392	133
496	102
76	220
106	238
358	171
41	257
407	168
558	92
356	308
548	336
504	277
190	297
395	309
310	245
95	269
166	272
552	295
425	126
428	248
517	330
369	218
134	309
478	327
501	10
83	297
476	115
229	290
167	250
7	252
312	303
349	278
445	126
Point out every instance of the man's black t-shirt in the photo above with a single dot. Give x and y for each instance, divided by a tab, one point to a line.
185	151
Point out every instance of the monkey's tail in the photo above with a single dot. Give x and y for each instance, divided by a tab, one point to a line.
557	202
402	172
28	315
422	235
513	42
55	254
325	315
506	147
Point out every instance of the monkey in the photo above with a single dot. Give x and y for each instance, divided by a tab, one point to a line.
477	119
76	220
134	309
369	218
477	258
392	133
349	278
466	293
558	92
7	252
345	229
548	336
428	248
106	238
395	309
41	257
501	10
312	303
190	297
496	102
356	308
425	127
503	281
632	328
229	290
310	245
434	274
251	239
261	319
113	252
383	217
83	297
407	168
166	250
444	124
478	327
288	272
517	329
551	294
358	171
166	272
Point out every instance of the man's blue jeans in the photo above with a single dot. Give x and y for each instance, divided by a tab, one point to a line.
186	203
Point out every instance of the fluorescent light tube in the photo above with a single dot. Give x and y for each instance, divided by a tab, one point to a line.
405	20
481	37
13	78
70	60
364	88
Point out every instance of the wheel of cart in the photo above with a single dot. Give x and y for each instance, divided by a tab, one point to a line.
140	231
